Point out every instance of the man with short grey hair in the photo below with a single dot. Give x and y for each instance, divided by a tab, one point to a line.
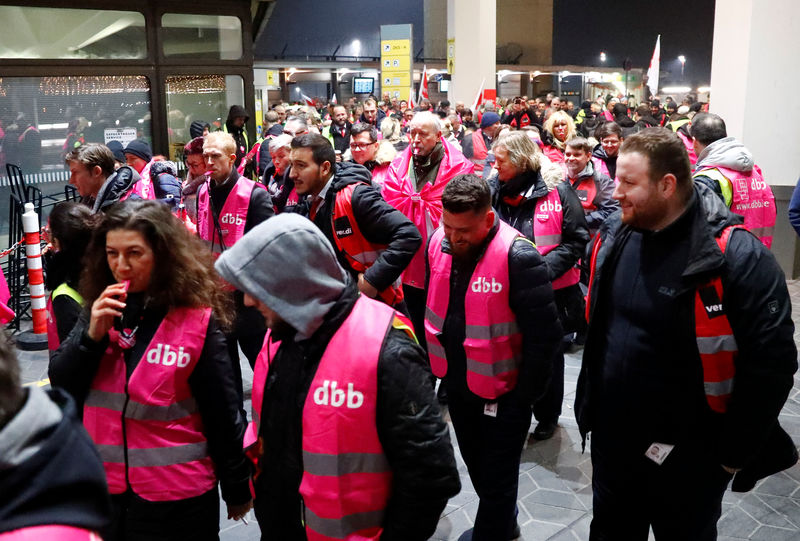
414	185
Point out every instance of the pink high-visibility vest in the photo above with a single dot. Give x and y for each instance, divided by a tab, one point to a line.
149	429
600	165
232	217
493	343
752	198
547	224
144	187
53	531
424	208
346	481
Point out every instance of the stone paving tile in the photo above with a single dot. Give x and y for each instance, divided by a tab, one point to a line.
555	493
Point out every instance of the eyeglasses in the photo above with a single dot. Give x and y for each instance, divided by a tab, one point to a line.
357	147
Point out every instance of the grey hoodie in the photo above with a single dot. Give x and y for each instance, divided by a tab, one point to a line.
726	152
287	264
25	434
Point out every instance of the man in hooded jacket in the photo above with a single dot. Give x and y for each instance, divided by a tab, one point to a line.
235	125
316	317
727	167
51	477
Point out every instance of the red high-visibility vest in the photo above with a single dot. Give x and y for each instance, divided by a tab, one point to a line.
493	343
346	481
359	252
479	152
147	429
547	223
232	216
587	191
716	343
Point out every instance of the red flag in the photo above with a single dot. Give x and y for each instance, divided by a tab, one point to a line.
308	100
333	99
478	98
411	103
423	84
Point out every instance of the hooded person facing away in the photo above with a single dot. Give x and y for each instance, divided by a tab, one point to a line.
51	478
341	383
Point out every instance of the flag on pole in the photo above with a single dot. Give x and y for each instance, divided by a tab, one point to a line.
478	98
308	100
423	84
411	103
655	66
333	99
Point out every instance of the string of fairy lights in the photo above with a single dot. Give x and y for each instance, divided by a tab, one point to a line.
115	84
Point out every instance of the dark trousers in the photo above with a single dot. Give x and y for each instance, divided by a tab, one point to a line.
415	303
192	519
248	333
548	408
491	447
681	499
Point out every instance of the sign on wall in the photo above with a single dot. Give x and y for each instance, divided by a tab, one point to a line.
396	59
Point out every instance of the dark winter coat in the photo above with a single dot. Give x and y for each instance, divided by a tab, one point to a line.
673	409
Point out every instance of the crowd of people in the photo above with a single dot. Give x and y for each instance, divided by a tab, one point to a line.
377	264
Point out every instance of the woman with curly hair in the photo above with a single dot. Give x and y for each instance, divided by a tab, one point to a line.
559	128
149	364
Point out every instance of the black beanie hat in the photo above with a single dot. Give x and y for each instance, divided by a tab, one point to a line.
116	149
197	128
139	148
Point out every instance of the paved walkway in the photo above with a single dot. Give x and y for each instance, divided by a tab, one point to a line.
555	493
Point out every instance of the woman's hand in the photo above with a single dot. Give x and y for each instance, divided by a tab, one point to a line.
108	305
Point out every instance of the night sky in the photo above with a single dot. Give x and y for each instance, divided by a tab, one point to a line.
581	29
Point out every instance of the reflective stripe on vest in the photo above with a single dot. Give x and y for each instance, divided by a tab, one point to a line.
232	217
164	454
547	223
52	326
715	341
750	197
493	342
479	152
347	480
359	252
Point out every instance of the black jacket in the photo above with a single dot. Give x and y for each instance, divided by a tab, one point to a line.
379	222
63	482
756	302
75	363
114	188
238	134
410	428
531	300
533	186
340	142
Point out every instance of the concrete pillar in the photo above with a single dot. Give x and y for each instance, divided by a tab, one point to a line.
475	47
753	81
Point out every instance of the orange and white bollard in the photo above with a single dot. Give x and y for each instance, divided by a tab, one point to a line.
33	251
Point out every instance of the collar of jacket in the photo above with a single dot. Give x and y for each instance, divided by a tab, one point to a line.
430	160
709	217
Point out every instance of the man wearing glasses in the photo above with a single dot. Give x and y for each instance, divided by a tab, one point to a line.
366	150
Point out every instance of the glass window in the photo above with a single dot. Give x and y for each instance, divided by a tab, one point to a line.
43	118
203	98
201	36
30	32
